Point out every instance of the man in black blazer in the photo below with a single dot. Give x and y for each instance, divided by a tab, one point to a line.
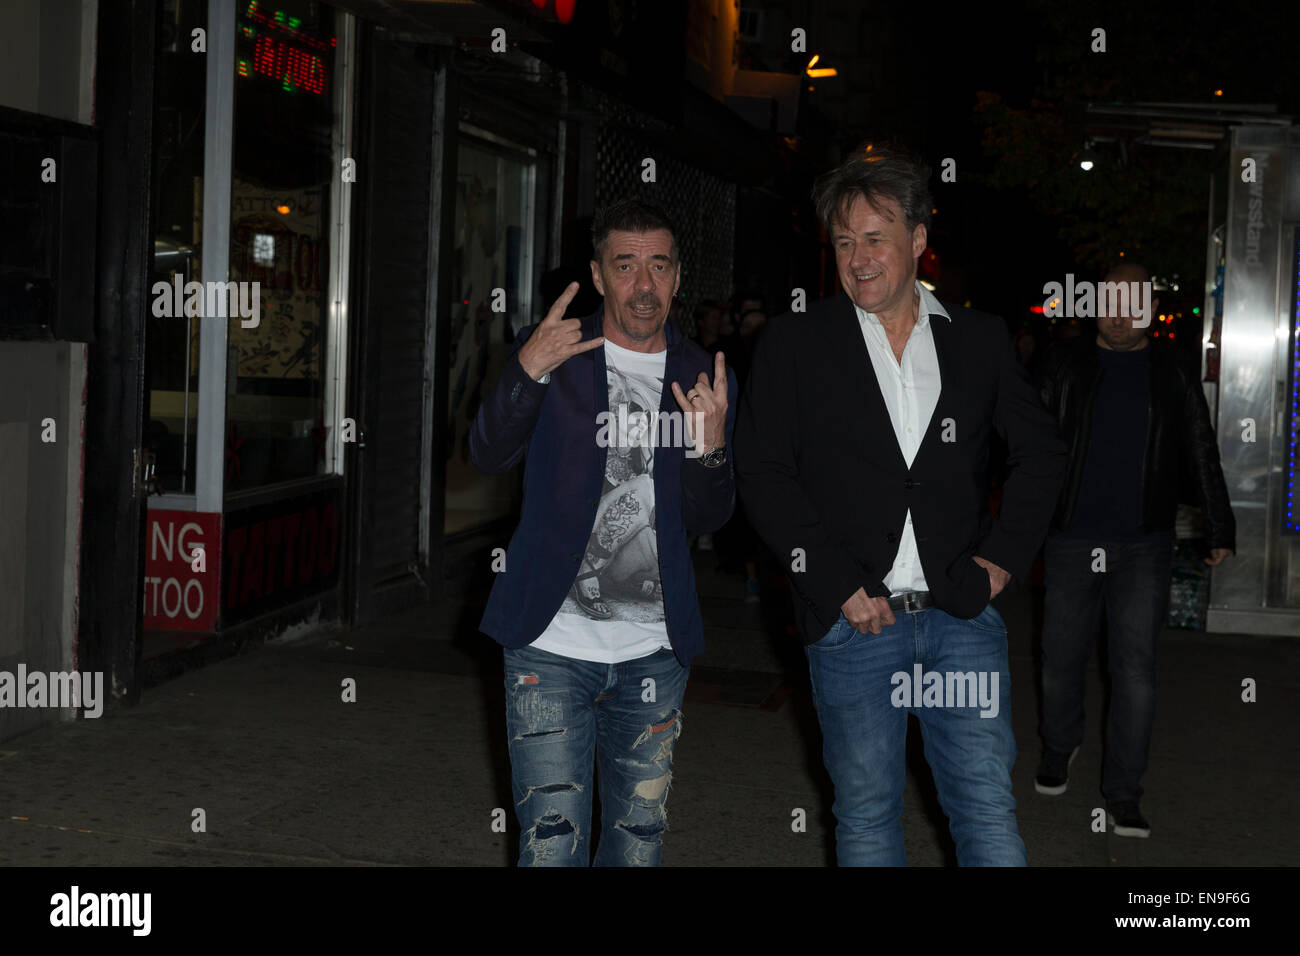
862	448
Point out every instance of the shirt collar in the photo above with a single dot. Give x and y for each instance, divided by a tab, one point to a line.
930	305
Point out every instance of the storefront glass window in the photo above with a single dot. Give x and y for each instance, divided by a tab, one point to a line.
172	340
280	192
493	250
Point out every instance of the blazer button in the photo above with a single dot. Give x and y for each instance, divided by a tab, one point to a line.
892	538
909	483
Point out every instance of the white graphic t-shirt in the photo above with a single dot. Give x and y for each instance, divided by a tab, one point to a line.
615	610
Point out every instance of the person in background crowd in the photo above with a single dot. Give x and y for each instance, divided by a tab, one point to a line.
713	326
1130	414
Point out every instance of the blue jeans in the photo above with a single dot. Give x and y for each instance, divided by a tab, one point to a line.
1134	593
560	712
863	701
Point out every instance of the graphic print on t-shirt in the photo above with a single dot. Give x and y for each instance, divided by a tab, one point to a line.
619	576
614	610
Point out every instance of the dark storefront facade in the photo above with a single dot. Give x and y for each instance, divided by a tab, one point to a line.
320	227
53	159
245	393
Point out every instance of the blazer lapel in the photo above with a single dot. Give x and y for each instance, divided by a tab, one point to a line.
941	332
599	383
847	341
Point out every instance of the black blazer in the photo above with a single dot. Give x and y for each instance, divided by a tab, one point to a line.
819	467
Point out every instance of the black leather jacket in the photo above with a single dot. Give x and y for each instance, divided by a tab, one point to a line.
1182	452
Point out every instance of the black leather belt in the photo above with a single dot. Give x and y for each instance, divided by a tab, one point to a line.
910	601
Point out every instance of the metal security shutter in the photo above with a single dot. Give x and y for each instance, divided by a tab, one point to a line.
395	312
702	206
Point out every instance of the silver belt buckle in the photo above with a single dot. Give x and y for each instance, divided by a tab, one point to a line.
909	600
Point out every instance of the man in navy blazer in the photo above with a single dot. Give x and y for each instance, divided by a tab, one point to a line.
862	452
596	607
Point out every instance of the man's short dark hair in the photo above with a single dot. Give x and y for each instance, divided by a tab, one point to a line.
629	215
875	171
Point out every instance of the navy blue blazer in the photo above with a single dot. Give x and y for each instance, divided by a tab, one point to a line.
555	427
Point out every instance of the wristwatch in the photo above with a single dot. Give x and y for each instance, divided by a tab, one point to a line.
714	458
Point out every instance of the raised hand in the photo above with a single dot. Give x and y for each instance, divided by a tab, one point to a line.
556	339
706	405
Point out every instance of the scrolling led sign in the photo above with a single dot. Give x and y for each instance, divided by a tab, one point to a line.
284	52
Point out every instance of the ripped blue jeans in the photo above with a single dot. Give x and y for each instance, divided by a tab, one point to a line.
560	714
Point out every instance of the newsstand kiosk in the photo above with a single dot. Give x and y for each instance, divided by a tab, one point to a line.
1251	341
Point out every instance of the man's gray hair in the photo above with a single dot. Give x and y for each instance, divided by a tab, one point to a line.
875	171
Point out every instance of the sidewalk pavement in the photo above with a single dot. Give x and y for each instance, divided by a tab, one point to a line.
285	772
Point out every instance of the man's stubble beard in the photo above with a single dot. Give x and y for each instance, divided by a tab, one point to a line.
637	336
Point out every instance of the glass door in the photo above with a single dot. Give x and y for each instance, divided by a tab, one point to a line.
492	289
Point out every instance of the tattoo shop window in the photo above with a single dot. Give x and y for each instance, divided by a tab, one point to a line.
280	192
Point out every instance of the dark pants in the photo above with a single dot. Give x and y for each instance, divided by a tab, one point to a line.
1134	591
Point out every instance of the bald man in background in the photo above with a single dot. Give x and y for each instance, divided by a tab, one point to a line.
1131	412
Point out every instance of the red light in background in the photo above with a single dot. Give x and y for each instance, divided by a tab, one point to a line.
1036	309
277	24
564	9
274	58
539	3
928	268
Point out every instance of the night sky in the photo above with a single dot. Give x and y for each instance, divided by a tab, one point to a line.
996	246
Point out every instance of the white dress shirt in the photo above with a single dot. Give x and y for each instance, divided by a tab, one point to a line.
910	388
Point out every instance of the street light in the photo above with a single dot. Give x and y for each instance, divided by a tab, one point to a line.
821	71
